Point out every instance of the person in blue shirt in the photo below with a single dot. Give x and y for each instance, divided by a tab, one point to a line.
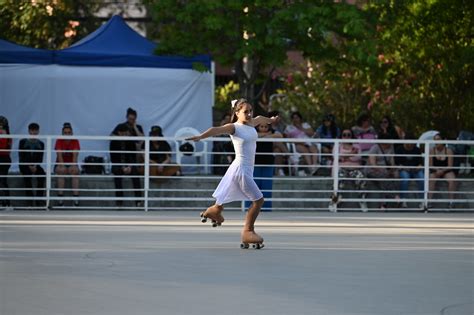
328	130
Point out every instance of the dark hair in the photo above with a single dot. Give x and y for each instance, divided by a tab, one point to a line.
347	129
122	128
238	106
67	125
4	123
391	131
131	111
388	119
33	126
329	117
333	128
362	117
384	136
156	131
296	114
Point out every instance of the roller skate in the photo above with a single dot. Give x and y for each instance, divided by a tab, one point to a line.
251	238
214	214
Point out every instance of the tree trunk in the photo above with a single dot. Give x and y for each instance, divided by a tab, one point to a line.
246	74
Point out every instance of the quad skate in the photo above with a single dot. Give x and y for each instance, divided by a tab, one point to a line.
251	238
214	214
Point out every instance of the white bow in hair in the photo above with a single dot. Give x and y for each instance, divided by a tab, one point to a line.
233	102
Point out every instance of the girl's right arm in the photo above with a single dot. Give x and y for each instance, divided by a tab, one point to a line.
214	131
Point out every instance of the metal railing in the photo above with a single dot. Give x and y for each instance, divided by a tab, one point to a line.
289	185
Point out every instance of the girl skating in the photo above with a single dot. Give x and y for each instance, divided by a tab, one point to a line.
237	183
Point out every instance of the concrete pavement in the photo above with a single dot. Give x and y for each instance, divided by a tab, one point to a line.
64	262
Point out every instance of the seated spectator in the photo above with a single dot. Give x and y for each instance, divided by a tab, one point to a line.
302	130
279	148
441	163
410	162
160	156
350	163
391	130
5	162
31	151
364	130
67	151
328	130
381	158
124	159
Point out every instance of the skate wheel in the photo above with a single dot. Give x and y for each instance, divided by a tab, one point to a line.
203	218
214	223
258	246
244	246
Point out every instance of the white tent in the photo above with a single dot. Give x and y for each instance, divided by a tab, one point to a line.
92	83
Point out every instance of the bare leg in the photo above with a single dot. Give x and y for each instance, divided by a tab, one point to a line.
248	232
60	170
74	171
451	184
314	155
301	148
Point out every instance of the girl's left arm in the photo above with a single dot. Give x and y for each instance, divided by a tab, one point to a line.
264	120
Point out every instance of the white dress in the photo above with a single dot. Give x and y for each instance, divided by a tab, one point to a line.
237	183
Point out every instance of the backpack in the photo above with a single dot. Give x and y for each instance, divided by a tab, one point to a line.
93	165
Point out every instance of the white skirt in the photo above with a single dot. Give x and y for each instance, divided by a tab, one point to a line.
237	184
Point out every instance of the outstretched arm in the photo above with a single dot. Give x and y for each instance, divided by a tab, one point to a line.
264	120
214	131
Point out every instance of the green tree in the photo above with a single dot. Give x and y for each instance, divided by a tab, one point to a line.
426	62
251	36
415	65
47	24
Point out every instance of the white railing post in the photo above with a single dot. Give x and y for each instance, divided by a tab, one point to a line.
49	149
146	180
335	165
426	174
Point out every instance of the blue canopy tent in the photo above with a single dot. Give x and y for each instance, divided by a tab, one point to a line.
93	82
116	44
14	53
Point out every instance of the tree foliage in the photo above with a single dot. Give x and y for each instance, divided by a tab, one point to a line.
47	24
416	65
252	36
